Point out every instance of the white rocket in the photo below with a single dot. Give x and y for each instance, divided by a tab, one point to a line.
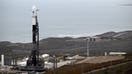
34	14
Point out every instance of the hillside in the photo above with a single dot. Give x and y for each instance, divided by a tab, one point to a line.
110	41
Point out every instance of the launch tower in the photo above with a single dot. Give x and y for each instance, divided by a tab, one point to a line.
35	63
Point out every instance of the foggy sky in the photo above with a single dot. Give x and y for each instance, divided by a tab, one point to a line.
63	17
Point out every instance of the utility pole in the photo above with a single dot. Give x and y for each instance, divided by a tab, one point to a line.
54	64
89	42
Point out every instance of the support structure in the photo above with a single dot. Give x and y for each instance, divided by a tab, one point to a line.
34	57
35	63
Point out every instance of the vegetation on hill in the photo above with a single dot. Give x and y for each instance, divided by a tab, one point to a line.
110	41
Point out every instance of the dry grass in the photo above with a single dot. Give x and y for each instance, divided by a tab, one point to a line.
84	67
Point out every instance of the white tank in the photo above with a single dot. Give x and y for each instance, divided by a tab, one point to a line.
2	60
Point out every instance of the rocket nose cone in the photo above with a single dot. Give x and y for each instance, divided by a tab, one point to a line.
34	8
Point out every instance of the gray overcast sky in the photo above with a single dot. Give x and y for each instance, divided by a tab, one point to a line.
63	17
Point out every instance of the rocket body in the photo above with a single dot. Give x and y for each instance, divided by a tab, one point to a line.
34	59
34	62
35	28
